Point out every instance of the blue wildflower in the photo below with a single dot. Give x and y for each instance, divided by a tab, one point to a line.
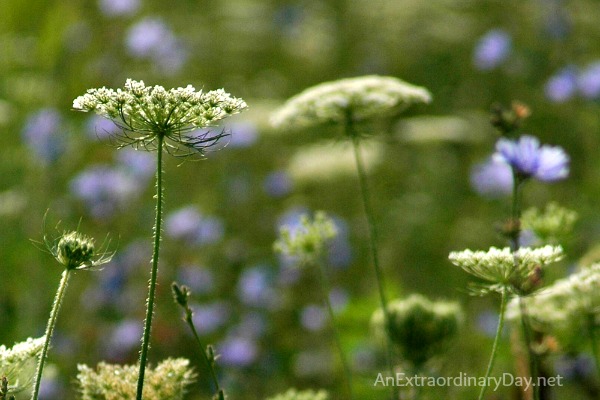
237	351
528	159
589	81
492	178
42	134
116	8
492	49
562	86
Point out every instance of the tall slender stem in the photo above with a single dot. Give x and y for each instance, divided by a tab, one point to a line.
591	324
154	271
326	288
62	287
490	366
514	244
213	374
364	190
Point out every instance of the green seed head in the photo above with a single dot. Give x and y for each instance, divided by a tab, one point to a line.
75	250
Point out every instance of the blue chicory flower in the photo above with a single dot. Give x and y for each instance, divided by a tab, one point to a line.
492	178
530	159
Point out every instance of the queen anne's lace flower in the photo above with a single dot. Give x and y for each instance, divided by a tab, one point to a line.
529	159
293	394
168	380
357	99
504	268
145	112
18	363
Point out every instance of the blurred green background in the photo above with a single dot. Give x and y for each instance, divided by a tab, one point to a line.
223	213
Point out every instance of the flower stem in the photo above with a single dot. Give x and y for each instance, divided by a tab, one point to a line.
326	288
591	323
220	394
154	271
62	287
488	371
364	190
527	335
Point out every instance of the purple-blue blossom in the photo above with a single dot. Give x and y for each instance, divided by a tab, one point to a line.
530	159
141	164
237	351
277	184
209	317
43	135
99	127
492	178
115	8
199	279
254	288
105	190
313	317
492	49
190	225
588	81
562	86
151	38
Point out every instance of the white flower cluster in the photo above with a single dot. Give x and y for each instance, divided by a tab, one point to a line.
502	266
566	307
358	99
152	110
293	394
18	363
169	380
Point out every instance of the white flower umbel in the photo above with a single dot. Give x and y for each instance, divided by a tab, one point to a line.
145	112
359	98
169	380
502	268
18	363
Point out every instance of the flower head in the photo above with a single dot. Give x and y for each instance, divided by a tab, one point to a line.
357	99
529	159
293	394
18	363
503	269
492	178
75	250
307	241
146	112
168	380
492	49
419	327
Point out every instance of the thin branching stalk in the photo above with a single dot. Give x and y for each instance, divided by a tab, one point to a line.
326	289
60	293
490	366
219	391
154	271
364	190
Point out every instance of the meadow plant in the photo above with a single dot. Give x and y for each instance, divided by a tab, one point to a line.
167	381
181	295
516	271
75	252
419	328
352	104
293	394
155	119
17	366
305	245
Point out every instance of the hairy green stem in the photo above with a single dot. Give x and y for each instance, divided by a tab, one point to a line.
364	190
60	293
188	319
326	288
490	366
154	271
